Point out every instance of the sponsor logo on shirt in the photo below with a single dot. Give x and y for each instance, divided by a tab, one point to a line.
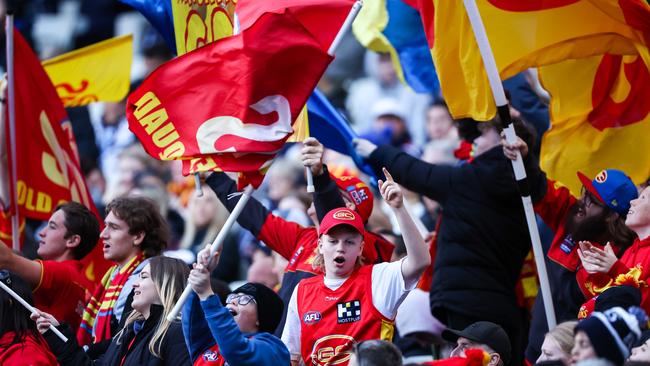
296	255
331	298
567	244
210	356
311	317
348	312
332	350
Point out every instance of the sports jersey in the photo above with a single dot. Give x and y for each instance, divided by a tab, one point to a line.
62	290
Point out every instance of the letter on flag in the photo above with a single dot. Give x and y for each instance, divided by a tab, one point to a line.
100	72
47	163
522	34
230	103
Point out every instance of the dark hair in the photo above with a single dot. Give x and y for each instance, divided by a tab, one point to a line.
13	316
522	129
142	216
377	352
79	220
616	231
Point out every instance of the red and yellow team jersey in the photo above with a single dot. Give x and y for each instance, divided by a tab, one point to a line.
62	291
331	321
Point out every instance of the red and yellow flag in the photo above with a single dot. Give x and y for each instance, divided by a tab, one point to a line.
100	72
522	34
198	23
600	114
47	163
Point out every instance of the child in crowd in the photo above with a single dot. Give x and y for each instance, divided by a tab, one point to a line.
351	302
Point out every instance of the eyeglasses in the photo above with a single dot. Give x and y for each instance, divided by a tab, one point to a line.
242	299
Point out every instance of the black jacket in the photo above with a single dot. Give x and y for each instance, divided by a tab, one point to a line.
483	238
173	349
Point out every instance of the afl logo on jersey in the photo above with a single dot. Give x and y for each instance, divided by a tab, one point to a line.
601	177
343	215
311	317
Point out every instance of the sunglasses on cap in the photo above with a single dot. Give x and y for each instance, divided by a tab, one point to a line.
242	299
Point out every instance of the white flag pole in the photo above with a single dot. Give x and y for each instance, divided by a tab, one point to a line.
31	309
347	24
216	244
11	102
517	165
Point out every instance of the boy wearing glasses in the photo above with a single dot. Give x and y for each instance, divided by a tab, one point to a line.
241	330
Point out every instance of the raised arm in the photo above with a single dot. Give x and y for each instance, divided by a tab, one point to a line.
417	254
28	270
326	196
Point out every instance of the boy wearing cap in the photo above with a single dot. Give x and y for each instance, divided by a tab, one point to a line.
601	268
241	330
487	336
597	216
296	243
351	302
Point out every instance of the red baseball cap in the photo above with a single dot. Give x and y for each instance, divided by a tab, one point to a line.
358	192
341	216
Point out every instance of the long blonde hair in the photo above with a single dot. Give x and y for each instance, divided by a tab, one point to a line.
215	224
563	335
169	276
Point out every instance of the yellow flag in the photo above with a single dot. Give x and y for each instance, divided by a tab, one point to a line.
522	34
600	114
100	72
199	23
300	127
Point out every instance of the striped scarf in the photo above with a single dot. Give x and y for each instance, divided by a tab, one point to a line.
99	311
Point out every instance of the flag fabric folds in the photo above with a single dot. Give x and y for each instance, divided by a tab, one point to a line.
234	100
600	113
330	128
100	72
522	34
47	164
395	27
199	23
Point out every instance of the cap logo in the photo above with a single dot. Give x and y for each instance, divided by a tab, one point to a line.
343	215
601	177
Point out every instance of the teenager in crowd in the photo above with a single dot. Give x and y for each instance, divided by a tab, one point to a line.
351	302
69	235
240	331
147	337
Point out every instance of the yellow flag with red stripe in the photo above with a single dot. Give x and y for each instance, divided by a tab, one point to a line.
99	72
522	34
600	118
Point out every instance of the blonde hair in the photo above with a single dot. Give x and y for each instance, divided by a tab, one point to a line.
563	335
169	276
215	224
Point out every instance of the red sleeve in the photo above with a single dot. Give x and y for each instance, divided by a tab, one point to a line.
555	205
589	282
28	353
281	235
617	269
54	277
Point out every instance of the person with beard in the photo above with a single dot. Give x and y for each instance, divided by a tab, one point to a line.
597	216
601	268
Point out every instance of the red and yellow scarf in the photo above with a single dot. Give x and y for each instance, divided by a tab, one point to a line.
99	311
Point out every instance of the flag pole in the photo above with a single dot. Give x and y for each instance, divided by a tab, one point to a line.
216	244
354	11
31	309
11	103
197	184
517	165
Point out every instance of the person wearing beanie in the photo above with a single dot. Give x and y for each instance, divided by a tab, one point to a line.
241	330
351	302
296	243
609	335
641	350
623	296
602	267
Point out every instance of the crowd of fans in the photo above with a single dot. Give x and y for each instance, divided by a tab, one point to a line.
427	264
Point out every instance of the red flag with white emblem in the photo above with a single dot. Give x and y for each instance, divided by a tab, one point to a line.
230	104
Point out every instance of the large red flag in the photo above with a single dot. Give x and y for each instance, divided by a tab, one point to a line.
232	103
47	162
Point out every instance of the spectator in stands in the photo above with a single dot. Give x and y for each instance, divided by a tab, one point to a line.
375	352
487	336
558	343
641	350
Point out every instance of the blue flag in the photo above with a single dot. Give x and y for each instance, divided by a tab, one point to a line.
332	130
159	14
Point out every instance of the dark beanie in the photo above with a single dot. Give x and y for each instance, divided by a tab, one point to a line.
612	333
623	296
269	305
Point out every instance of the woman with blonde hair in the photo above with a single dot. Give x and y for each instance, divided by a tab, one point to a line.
147	337
558	343
205	217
